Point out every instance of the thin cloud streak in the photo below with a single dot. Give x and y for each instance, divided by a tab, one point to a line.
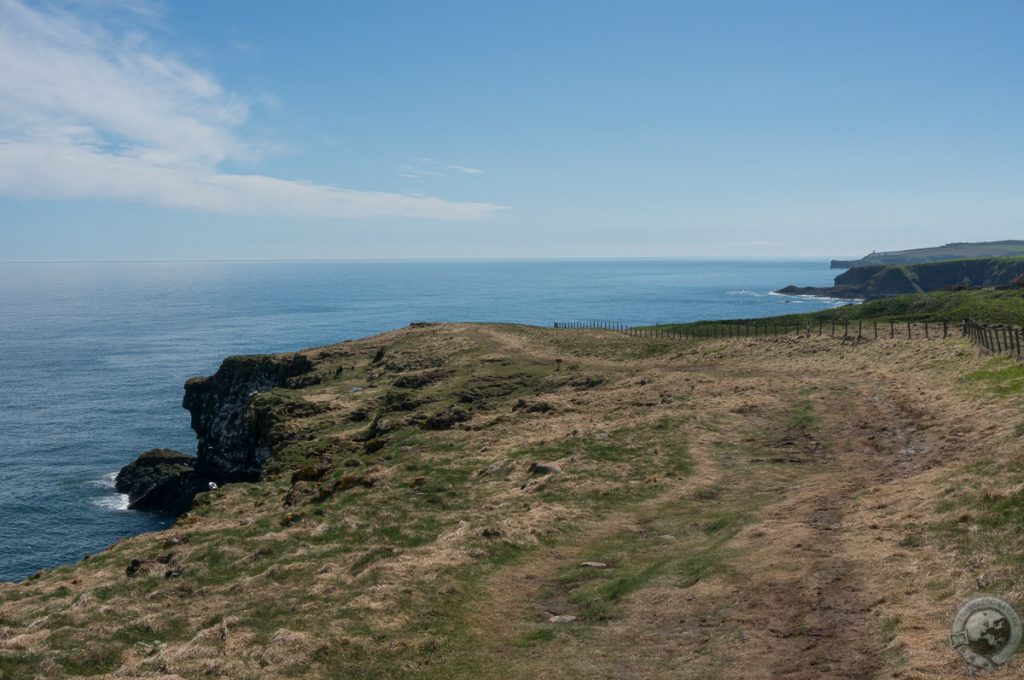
87	113
411	171
466	170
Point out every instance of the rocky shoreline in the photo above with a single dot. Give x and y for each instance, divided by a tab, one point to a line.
830	292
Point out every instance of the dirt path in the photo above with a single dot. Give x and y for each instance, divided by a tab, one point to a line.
809	608
801	597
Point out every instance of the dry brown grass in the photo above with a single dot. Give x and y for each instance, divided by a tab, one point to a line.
767	507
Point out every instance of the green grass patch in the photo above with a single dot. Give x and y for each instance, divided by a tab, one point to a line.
890	626
1001	376
989	306
535	637
981	521
802	416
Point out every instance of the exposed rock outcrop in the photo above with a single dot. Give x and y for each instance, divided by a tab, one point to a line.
234	431
160	480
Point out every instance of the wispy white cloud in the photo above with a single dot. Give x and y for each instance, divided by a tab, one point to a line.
414	172
466	170
90	112
433	168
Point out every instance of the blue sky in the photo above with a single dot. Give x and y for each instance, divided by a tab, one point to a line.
248	130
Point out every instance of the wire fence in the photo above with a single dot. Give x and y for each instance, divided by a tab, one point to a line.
991	338
855	331
995	338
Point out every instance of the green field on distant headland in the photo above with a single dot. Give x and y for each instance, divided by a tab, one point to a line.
950	251
990	306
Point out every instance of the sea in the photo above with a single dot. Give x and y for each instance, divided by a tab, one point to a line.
94	355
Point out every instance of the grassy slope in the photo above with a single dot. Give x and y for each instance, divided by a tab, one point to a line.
990	306
946	252
357	558
733	487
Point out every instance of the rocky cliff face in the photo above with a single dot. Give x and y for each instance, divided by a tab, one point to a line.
234	436
887	280
233	431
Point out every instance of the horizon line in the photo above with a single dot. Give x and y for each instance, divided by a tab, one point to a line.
432	259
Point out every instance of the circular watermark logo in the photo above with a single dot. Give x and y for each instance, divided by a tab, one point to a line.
986	632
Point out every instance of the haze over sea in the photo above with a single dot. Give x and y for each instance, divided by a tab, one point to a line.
94	355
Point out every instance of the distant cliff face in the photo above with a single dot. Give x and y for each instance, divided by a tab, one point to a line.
886	280
233	437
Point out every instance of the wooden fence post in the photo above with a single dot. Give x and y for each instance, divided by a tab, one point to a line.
910	332
925	330
892	329
945	329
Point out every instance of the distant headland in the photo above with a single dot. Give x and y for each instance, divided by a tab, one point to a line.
954	265
950	251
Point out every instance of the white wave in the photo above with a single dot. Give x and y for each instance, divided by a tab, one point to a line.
106	481
816	298
116	501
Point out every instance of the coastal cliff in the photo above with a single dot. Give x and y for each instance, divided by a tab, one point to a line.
232	425
234	428
877	281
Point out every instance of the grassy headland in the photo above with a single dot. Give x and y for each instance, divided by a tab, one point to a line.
467	501
950	251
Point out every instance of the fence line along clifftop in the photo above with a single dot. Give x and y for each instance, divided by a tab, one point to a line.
763	329
991	338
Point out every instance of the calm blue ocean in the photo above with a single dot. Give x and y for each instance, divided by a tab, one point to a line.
93	356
